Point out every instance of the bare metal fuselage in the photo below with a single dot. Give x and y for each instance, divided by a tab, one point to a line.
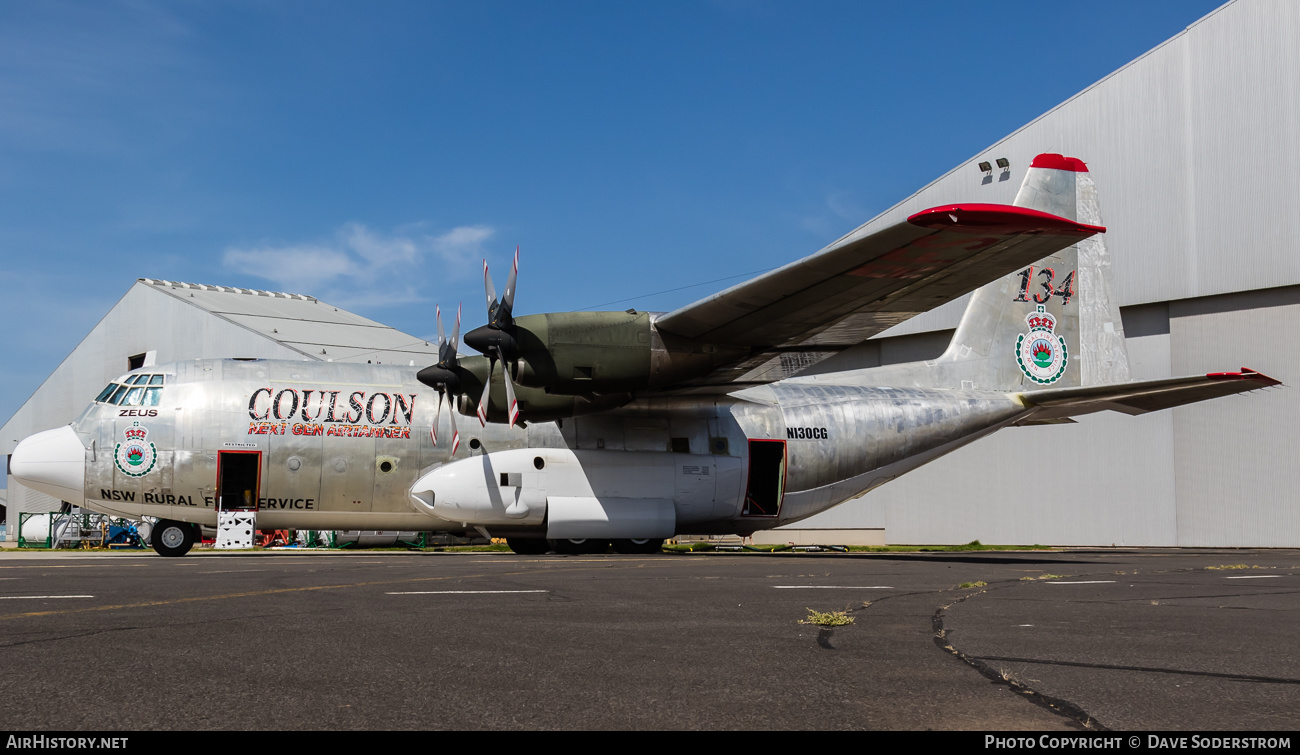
348	446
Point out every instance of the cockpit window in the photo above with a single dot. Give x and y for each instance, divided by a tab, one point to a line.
131	391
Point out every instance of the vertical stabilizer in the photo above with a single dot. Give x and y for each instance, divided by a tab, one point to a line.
1055	323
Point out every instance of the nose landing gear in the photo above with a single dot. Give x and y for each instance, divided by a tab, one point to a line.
172	538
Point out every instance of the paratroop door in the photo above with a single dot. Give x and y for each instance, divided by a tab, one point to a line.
766	485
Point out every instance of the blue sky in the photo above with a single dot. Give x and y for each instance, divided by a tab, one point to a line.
371	154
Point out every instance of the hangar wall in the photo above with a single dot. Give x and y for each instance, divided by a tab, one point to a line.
1195	149
142	320
182	321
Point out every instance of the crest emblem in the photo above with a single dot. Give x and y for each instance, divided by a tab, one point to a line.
1041	353
136	456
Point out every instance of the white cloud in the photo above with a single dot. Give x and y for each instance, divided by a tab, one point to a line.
378	250
362	267
463	243
293	268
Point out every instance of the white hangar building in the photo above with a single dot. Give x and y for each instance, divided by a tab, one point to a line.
162	321
1195	150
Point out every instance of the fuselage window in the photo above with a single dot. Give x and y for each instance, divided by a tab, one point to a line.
104	394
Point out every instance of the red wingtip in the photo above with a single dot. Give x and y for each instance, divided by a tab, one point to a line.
1059	162
998	218
1245	374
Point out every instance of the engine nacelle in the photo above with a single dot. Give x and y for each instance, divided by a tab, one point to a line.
535	404
597	353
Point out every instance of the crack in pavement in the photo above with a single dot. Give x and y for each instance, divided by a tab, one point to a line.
1149	669
1064	708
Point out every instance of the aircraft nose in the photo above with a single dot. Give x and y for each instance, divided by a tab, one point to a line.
53	462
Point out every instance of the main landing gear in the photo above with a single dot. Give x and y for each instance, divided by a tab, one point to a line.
641	546
529	546
171	538
583	547
535	546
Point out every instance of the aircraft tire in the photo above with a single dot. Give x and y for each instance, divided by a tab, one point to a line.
583	547
528	546
171	538
639	546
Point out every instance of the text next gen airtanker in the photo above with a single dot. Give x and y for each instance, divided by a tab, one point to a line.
632	427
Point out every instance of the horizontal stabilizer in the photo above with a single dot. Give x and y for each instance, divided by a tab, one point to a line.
1140	397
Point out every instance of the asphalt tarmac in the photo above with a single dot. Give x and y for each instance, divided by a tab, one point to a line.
1118	639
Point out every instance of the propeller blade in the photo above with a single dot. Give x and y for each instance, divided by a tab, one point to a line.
455	434
505	312
455	334
490	290
433	429
447	349
511	404
487	386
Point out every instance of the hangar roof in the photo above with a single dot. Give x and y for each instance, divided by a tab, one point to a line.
304	324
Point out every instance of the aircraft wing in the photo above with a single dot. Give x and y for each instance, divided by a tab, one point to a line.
1059	404
865	283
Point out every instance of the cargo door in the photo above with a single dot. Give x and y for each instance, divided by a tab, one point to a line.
239	480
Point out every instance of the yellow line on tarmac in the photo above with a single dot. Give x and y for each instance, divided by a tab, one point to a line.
70	566
277	591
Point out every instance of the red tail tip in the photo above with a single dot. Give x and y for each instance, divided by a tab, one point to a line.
1059	162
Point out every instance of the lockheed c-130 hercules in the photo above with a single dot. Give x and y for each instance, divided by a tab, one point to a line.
627	428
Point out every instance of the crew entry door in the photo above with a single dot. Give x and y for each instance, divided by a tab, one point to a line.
766	485
239	477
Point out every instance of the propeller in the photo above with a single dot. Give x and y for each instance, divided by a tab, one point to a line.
501	313
496	339
513	405
443	377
